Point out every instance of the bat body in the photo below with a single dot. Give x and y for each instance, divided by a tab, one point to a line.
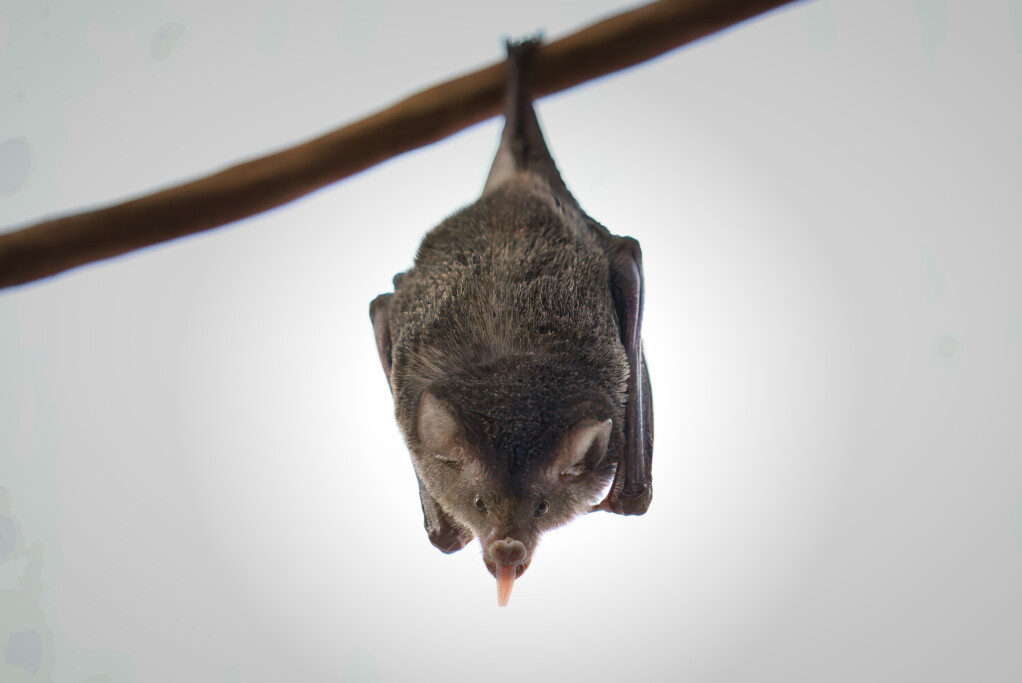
513	352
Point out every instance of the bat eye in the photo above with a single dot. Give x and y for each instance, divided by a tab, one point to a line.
480	504
541	508
450	462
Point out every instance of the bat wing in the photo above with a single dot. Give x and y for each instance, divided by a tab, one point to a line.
632	489
440	528
379	314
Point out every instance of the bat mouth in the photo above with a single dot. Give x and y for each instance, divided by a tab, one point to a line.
519	568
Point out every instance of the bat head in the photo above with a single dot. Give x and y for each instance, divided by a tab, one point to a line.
506	480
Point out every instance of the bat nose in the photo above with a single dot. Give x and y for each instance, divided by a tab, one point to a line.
507	551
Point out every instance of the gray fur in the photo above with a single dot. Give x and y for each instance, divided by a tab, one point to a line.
507	317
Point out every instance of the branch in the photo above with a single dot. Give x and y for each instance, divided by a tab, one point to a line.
616	43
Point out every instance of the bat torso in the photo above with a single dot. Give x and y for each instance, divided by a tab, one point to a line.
508	306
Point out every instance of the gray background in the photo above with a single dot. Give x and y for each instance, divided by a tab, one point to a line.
200	476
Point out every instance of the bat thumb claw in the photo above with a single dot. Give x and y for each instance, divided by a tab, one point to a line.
628	502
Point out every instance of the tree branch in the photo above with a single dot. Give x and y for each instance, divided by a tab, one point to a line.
616	43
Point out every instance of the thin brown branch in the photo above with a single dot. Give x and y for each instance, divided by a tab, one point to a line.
616	43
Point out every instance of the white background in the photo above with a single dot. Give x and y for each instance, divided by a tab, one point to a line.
200	475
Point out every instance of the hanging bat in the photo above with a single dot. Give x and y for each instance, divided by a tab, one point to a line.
513	352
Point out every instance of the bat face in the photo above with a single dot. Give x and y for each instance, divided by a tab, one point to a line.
508	508
513	353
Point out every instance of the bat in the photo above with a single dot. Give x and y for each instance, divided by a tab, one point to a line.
514	356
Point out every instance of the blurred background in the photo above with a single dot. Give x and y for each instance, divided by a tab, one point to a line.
200	474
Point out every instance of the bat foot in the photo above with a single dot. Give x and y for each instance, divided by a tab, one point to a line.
520	48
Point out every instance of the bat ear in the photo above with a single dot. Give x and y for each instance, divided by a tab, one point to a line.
632	489
439	428
583	448
379	313
441	529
